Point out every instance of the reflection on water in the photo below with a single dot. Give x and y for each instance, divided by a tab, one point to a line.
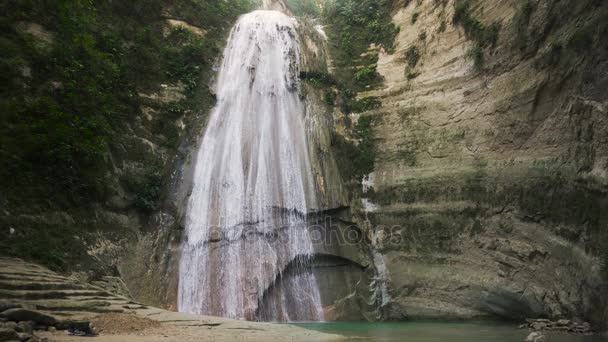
439	332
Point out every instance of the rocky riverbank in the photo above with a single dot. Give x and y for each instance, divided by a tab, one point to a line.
37	304
566	325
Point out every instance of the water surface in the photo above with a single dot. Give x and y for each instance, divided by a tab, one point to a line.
439	332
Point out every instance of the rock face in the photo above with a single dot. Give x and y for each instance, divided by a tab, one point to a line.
341	269
123	234
559	325
490	183
535	337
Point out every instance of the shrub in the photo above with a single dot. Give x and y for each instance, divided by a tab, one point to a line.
484	36
366	74
304	7
581	40
318	78
461	11
147	186
527	7
329	97
476	53
185	56
357	159
412	56
442	27
412	75
553	56
440	3
365	104
415	17
521	21
359	23
474	29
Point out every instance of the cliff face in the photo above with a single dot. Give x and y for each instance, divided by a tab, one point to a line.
485	126
490	176
101	104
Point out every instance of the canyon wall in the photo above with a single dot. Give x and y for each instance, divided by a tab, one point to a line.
488	191
469	149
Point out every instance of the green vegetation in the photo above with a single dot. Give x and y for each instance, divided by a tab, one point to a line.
476	54
364	162
553	56
408	155
522	20
58	116
47	243
66	99
366	74
415	17
580	49
147	186
71	71
329	97
527	7
185	55
477	228
352	27
442	27
412	55
440	3
359	156
582	39
303	8
484	36
412	75
317	78
323	81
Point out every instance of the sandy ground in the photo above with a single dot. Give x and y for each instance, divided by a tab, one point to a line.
173	333
167	326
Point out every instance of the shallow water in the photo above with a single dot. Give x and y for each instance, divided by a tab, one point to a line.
439	332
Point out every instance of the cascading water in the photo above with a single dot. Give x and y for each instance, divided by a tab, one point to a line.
253	186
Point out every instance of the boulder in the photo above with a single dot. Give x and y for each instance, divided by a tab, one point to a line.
19	314
8	335
535	337
26	326
538	325
24	336
584	328
9	325
6	306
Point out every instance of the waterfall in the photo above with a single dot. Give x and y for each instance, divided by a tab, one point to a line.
253	186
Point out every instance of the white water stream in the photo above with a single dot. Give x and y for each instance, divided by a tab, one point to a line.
253	185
